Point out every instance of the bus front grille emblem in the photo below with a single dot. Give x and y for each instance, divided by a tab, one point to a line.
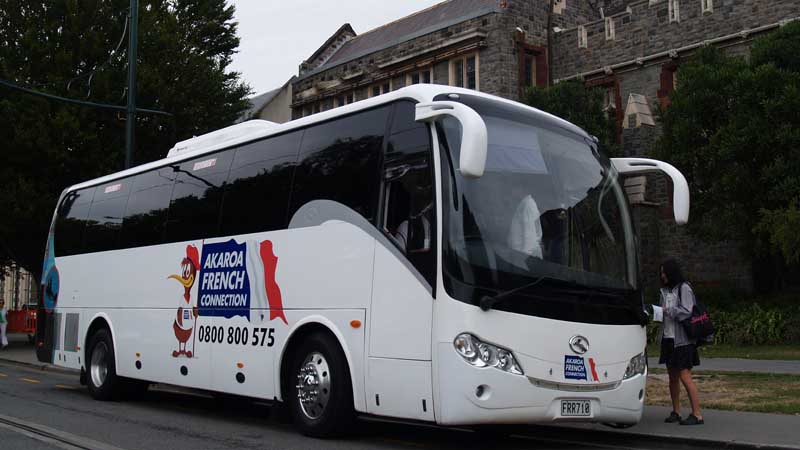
579	344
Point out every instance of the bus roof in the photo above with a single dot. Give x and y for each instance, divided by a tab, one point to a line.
240	134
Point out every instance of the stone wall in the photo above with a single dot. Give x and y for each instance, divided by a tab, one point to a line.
647	30
642	30
705	264
569	13
500	59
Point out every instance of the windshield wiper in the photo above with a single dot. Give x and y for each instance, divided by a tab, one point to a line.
488	301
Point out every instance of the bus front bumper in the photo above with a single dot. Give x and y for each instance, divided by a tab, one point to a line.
472	395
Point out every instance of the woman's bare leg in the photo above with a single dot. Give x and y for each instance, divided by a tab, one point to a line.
691	389
675	389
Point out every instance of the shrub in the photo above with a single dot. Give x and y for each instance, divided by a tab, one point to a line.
770	321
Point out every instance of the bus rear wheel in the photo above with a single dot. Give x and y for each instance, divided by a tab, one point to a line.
320	393
102	379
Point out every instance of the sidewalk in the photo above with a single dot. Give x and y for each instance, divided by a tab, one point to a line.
20	350
722	428
740	365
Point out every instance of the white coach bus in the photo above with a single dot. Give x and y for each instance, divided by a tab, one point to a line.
433	254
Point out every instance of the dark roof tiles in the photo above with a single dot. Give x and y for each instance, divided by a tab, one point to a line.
418	24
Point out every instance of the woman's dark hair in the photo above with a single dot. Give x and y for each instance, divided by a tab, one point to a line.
673	272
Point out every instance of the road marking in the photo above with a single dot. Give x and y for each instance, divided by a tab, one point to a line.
29	380
64	386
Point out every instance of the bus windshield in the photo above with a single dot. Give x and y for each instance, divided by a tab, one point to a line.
549	207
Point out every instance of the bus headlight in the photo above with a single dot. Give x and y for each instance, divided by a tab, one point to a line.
637	366
484	354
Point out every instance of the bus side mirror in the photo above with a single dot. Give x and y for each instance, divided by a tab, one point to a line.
680	188
474	140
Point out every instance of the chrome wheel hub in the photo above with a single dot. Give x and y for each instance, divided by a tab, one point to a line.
313	385
99	364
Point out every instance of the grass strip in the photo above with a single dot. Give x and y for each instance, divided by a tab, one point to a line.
733	391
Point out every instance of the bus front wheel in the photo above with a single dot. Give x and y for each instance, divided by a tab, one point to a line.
320	392
102	379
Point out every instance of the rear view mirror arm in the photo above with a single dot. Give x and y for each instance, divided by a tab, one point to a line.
680	188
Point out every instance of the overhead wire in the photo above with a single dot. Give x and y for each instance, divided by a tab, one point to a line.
17	87
92	72
97	68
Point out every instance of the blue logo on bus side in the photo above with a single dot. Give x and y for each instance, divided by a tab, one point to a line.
224	289
50	278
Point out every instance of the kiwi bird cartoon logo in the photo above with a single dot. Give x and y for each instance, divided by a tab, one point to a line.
187	313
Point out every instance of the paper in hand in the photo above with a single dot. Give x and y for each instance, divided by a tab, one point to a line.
658	314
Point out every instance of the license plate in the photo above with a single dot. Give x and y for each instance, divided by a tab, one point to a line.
576	408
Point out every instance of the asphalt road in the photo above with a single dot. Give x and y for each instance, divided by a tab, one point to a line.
50	410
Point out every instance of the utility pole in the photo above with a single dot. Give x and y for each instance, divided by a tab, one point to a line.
130	124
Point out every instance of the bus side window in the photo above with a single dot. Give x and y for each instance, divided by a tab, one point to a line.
71	221
409	213
146	213
339	162
257	192
197	196
105	216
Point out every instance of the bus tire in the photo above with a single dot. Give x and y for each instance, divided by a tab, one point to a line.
320	393
101	376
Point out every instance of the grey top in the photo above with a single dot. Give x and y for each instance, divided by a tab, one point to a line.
676	311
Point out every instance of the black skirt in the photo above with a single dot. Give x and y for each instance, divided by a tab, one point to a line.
683	357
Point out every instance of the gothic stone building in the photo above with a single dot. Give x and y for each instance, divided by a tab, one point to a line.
632	49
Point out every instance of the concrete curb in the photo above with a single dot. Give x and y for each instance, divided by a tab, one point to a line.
586	433
712	443
41	366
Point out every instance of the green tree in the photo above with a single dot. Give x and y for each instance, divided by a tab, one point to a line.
66	48
733	129
583	106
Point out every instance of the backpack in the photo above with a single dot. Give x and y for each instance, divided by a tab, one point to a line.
698	326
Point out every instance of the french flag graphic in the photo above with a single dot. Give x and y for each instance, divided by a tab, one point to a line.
266	294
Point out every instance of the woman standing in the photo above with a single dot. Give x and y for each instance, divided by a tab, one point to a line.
3	323
678	352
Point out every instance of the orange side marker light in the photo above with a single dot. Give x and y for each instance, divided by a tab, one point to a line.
138	355
355	323
240	365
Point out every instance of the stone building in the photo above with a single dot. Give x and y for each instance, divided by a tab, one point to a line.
272	105
630	48
17	287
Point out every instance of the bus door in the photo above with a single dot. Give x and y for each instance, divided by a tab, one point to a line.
399	362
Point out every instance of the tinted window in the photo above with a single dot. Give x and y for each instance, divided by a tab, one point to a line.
146	214
196	197
339	161
257	192
408	196
105	216
72	215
